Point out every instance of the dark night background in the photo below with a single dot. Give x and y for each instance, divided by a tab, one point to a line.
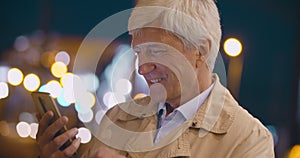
268	29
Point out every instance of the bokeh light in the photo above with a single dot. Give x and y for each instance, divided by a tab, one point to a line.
53	87
48	58
90	81
15	76
123	86
33	130
3	73
295	152
233	47
61	99
21	43
58	69
84	134
86	117
139	96
81	108
26	117
62	56
87	99
110	99
23	129
4	128
43	88
67	79
31	82
4	91
69	95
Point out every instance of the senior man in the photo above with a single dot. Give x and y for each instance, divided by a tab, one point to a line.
188	113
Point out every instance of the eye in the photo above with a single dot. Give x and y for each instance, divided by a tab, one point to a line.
136	51
158	51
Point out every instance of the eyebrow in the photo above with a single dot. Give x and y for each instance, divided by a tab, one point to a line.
151	45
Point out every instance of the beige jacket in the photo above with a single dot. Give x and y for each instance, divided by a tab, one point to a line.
220	129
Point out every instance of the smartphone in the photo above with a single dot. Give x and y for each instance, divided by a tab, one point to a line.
43	103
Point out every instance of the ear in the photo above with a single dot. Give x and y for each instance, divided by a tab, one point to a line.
200	60
204	50
205	47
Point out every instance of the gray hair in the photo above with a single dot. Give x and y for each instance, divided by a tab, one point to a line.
193	21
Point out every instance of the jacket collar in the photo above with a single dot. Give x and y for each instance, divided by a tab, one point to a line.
215	115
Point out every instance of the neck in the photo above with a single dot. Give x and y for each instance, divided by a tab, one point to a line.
204	82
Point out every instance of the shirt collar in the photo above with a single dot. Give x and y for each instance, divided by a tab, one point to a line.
189	109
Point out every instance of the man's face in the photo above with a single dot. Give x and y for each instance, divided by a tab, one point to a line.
164	60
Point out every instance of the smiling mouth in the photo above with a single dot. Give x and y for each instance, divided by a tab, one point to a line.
156	80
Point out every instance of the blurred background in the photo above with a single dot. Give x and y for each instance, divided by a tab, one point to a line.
39	40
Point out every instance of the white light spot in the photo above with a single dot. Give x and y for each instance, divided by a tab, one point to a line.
62	56
3	73
232	47
4	91
110	99
84	134
123	86
54	88
86	117
15	76
31	82
34	129
23	129
90	81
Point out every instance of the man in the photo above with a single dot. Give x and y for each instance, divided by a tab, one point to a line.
188	113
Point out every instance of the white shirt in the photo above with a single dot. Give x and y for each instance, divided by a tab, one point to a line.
179	115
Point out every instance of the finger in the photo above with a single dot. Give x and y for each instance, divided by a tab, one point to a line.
69	151
62	139
44	123
38	116
53	129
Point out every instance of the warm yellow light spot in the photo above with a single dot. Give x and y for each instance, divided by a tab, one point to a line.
233	47
295	152
139	95
15	76
4	128
31	82
58	69
48	58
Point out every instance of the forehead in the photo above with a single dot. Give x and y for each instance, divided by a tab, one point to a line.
146	35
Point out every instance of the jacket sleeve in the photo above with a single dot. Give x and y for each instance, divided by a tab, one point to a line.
258	144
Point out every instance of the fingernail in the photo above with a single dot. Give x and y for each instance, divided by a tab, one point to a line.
75	130
50	113
65	119
79	139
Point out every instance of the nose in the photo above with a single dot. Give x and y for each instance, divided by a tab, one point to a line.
146	68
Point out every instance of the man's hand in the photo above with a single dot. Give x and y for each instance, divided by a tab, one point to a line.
48	145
